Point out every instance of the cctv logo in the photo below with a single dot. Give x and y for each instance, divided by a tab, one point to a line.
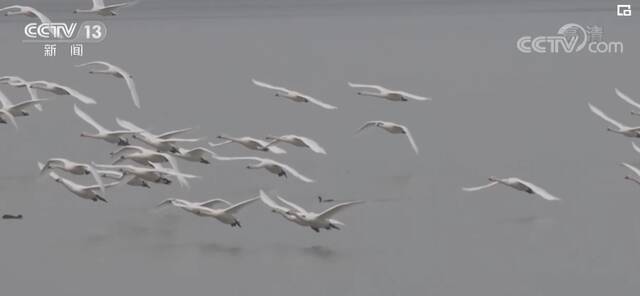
624	10
50	30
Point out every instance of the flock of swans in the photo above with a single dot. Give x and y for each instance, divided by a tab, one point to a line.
156	159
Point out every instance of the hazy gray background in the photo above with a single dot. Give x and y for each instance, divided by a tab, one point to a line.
495	112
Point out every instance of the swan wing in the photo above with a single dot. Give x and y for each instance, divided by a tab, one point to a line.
235	208
360	85
269	86
84	116
604	116
292	205
470	189
627	99
328	213
538	190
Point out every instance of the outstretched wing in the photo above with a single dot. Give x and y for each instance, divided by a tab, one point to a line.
292	171
74	93
411	140
89	120
313	145
368	124
269	86
235	208
29	103
469	189
632	168
328	213
174	133
292	205
627	99
271	203
97	177
211	202
132	89
538	190
604	116
9	116
412	96
320	103
5	101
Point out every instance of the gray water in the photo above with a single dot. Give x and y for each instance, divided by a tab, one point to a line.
495	111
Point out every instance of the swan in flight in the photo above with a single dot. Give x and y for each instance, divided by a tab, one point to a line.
197	154
517	184
101	9
281	210
85	192
272	166
73	167
156	174
635	170
628	100
60	90
18	82
205	209
249	143
119	176
385	93
293	95
142	156
316	221
298	141
113	137
118	73
393	128
633	132
162	142
17	110
26	11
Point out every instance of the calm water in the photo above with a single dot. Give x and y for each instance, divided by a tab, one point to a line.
495	111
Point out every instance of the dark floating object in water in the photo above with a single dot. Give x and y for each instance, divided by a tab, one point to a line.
7	216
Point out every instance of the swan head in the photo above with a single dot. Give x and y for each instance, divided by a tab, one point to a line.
493	179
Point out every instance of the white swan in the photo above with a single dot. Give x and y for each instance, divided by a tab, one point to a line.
635	170
61	90
393	128
272	166
118	73
293	95
73	167
17	110
321	220
298	141
388	94
142	156
197	154
119	176
113	137
85	192
633	132
100	8
515	183
204	209
249	143
281	210
628	100
156	174
163	142
18	82
26	11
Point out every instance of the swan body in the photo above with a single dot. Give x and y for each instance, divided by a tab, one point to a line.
388	94
113	137
198	154
393	128
85	192
60	90
633	132
205	209
515	183
298	141
249	143
162	142
73	167
272	166
293	95
118	73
